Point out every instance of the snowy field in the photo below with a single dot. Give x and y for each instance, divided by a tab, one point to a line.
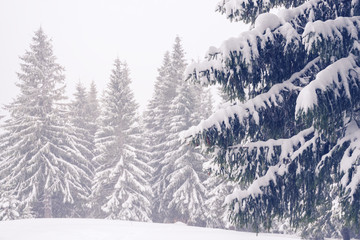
90	229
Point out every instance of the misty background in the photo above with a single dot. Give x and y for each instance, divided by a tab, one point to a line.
88	35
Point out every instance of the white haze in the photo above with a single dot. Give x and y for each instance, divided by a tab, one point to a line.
89	34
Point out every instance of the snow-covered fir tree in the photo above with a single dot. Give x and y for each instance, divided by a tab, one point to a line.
291	143
157	126
80	120
184	193
93	113
82	126
178	177
42	165
121	189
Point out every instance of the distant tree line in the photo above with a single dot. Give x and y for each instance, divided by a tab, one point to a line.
100	158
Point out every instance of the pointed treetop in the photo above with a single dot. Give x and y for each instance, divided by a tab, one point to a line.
80	95
166	57
165	66
178	53
40	33
92	98
93	87
80	86
42	45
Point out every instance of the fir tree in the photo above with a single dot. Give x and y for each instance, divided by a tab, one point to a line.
121	188
93	113
291	142
80	119
178	178
42	164
178	65
157	126
184	193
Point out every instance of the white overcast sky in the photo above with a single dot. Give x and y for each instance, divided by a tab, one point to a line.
88	35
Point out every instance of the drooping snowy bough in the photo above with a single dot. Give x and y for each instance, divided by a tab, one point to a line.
292	142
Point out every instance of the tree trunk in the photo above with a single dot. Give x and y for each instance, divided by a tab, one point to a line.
345	232
47	206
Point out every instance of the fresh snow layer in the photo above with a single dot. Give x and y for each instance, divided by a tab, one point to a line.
267	20
91	229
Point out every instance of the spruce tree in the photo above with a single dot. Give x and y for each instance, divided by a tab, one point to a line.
42	165
184	192
291	142
93	113
178	177
80	120
121	189
157	126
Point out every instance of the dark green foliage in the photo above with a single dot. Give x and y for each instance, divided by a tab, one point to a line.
291	140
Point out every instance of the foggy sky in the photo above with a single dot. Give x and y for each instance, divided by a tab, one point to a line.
88	35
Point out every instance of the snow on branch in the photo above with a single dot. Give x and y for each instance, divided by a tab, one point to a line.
291	149
288	146
333	78
304	11
251	107
350	160
331	30
248	10
235	61
245	49
236	9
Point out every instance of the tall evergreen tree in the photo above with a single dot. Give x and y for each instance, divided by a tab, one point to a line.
156	121
93	113
291	144
178	177
80	120
42	165
121	185
184	192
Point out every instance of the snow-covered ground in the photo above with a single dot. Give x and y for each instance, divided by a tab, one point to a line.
91	229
